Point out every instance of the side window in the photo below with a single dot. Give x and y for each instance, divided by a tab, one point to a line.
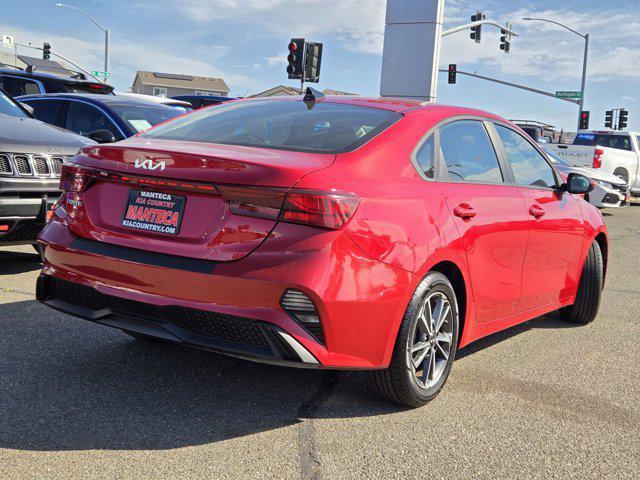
424	158
468	152
49	111
529	167
19	86
84	119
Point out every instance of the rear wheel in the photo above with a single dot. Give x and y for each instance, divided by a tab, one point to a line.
425	347
587	303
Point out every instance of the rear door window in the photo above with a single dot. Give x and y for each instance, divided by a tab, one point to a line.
468	153
425	158
619	142
19	86
529	167
83	119
49	111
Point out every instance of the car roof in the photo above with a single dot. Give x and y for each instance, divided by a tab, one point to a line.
44	75
97	99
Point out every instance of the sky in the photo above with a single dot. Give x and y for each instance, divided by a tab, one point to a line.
245	42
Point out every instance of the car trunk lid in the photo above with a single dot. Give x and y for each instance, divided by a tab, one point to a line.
175	197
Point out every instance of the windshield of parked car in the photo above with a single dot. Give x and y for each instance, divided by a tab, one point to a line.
620	142
8	107
320	127
143	117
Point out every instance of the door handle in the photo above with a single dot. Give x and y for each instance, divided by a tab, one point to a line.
536	211
464	211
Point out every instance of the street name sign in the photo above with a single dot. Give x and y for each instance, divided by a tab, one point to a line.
563	94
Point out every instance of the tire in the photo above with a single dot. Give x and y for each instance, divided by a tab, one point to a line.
587	303
402	382
622	173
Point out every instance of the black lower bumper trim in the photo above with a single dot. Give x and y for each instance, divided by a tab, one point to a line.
221	333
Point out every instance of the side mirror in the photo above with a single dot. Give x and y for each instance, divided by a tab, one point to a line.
28	108
102	136
578	184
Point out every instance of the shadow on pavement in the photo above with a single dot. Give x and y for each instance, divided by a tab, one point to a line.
18	262
68	384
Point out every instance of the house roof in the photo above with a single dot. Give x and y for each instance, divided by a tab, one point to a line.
277	91
329	91
160	79
280	90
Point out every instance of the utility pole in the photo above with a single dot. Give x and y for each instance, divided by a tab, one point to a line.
584	60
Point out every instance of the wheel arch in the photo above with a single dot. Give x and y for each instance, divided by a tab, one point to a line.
603	243
453	272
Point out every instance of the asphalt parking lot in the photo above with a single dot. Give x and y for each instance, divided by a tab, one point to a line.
542	400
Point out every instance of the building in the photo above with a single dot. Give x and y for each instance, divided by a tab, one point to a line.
170	84
283	90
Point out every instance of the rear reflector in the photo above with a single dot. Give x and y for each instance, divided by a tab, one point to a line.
4	228
597	160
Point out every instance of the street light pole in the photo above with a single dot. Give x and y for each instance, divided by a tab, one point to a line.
584	61
104	30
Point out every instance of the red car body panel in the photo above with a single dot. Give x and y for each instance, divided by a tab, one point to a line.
361	277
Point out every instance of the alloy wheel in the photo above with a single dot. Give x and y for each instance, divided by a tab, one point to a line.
429	345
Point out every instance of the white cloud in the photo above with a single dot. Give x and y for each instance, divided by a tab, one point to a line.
128	56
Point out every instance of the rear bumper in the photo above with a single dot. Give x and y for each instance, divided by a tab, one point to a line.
360	301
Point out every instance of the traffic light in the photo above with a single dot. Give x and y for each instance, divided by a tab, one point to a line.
608	119
476	32
453	73
624	119
584	120
505	39
46	51
295	69
313	59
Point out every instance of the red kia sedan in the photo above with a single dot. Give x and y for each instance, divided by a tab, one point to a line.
325	232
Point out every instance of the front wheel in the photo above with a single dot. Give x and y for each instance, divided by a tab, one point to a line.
425	347
587	303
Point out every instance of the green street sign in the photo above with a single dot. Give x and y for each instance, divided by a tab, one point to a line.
577	95
98	74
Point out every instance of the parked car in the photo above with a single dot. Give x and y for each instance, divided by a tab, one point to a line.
31	156
180	105
617	153
325	232
540	132
609	191
103	118
32	81
199	101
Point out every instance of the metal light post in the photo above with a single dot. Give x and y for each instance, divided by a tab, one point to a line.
105	30
584	62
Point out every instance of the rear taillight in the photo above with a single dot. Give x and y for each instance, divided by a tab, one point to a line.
326	209
317	208
74	178
597	160
254	201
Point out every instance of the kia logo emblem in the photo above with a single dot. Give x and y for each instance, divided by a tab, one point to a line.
149	164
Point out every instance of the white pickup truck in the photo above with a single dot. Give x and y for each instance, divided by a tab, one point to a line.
612	152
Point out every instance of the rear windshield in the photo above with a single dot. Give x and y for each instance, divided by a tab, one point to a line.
621	142
286	125
143	117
